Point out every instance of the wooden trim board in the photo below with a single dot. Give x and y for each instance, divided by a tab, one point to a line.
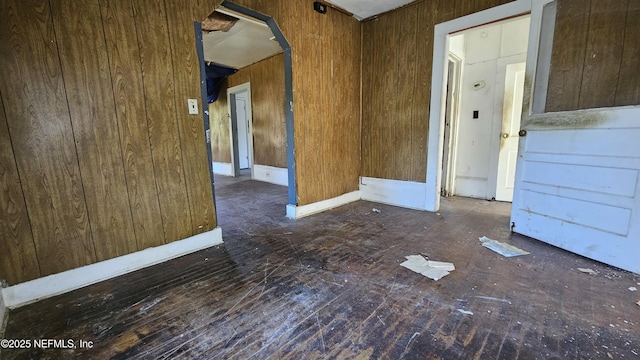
270	174
408	194
56	284
297	212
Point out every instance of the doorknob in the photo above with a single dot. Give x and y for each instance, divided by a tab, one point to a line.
505	135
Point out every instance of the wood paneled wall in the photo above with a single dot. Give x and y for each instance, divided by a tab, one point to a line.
396	83
220	126
326	95
99	157
267	100
595	56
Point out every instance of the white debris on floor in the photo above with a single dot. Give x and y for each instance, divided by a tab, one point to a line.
501	248
435	270
587	271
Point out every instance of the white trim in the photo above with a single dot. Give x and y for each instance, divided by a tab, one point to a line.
52	285
270	174
406	194
231	92
225	169
438	83
297	212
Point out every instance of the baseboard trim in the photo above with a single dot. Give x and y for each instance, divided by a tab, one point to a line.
297	212
32	291
270	174
225	169
408	194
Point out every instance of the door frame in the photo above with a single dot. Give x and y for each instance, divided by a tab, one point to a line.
442	33
450	148
233	126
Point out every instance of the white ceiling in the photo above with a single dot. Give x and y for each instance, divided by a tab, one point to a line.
247	42
364	9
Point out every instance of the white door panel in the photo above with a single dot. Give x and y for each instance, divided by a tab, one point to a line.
579	188
578	172
511	112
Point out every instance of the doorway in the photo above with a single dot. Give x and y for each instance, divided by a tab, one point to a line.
239	102
482	118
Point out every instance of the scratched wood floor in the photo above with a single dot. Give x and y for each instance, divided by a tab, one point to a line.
330	286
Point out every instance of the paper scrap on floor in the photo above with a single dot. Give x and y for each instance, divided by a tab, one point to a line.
588	271
435	270
501	248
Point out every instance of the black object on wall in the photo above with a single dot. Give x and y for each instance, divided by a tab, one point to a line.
215	76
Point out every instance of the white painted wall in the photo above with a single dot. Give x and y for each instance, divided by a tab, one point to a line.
487	50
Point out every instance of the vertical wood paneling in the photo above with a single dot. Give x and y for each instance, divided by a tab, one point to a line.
595	55
406	73
42	136
85	67
326	95
91	125
628	88
267	97
424	61
126	79
604	53
368	97
346	70
568	55
159	89
18	260
219	120
308	140
186	73
398	57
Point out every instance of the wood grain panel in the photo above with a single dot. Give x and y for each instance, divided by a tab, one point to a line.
406	73
325	99
186	73
568	55
368	99
159	89
603	54
18	260
628	87
126	79
309	156
239	78
346	70
267	98
219	122
87	79
270	8
39	122
424	62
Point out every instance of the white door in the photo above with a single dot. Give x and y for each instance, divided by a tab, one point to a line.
243	132
578	173
511	111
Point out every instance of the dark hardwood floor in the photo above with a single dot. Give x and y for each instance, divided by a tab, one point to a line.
331	286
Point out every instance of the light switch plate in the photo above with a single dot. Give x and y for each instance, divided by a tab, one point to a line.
193	106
